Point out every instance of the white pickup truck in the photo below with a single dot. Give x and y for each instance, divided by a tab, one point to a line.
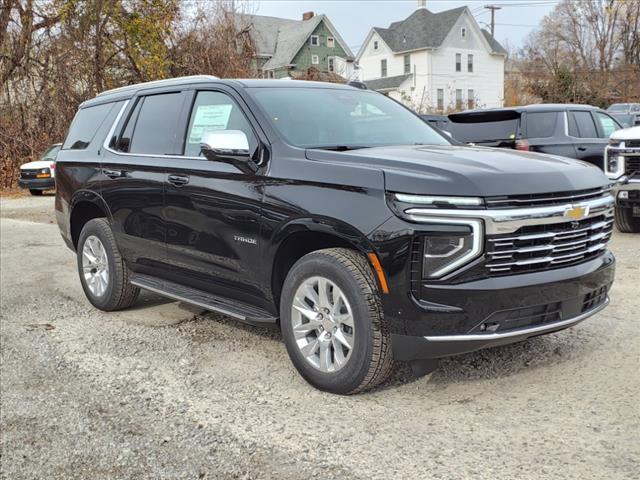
622	165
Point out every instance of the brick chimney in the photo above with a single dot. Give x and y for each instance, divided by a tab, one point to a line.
307	15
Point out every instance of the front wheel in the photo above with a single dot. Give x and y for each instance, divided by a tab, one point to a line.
625	221
333	324
103	273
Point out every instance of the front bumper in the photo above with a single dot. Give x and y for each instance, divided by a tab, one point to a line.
632	197
37	183
517	307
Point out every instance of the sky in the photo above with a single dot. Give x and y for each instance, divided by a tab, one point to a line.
354	18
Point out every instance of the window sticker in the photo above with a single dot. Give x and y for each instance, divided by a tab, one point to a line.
209	118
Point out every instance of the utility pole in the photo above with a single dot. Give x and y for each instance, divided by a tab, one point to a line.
493	9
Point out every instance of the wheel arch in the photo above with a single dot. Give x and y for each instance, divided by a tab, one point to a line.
85	205
305	235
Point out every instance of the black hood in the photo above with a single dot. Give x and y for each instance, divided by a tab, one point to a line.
470	171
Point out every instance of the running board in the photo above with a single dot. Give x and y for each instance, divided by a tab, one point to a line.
233	308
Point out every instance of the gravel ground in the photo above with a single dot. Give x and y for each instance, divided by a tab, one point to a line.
167	391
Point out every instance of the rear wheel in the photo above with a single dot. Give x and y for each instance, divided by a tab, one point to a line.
332	322
36	193
625	221
103	273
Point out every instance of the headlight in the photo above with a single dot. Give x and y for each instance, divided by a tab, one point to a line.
435	201
614	143
614	165
444	252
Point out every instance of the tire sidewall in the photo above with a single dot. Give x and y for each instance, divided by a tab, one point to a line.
351	375
92	228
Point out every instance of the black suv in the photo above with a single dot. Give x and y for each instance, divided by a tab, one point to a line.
334	213
574	131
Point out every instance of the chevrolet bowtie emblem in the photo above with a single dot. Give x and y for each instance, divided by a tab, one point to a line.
576	213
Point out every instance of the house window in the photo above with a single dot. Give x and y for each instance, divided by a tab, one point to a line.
315	40
315	59
458	62
463	32
331	64
330	42
375	45
469	63
458	99
440	99
471	99
383	68
407	63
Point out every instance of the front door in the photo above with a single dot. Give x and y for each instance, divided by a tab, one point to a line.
588	144
212	209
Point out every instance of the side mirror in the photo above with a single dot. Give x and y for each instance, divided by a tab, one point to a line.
229	146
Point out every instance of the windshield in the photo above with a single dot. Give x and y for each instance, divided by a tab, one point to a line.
342	119
51	153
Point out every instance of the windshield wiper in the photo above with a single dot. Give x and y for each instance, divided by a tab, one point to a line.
339	148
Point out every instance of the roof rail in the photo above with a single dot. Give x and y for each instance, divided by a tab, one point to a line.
158	83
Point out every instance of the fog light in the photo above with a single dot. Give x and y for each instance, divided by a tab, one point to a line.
623	195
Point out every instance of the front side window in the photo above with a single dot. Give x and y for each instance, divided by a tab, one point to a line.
325	117
441	99
470	63
407	63
458	62
85	125
156	126
213	111
607	124
383	68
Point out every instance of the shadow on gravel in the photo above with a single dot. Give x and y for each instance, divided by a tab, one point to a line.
148	299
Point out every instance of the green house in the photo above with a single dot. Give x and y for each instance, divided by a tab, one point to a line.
290	48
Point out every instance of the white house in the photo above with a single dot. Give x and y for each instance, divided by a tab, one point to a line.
435	61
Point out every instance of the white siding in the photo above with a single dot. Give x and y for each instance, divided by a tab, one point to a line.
435	69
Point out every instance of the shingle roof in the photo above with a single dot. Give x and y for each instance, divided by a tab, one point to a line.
425	29
282	38
387	83
495	45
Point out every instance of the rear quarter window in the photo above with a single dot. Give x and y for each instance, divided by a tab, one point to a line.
85	125
541	124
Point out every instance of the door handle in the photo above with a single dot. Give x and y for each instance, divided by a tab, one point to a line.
582	149
178	180
112	173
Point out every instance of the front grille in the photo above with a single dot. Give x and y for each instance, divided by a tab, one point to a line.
28	174
545	199
632	165
632	143
541	247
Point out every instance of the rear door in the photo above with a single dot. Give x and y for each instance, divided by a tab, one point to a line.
138	153
588	143
213	209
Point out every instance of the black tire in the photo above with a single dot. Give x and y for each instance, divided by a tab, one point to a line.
36	193
371	359
119	293
625	221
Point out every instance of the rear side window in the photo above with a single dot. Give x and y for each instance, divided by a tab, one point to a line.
156	125
85	125
541	124
581	125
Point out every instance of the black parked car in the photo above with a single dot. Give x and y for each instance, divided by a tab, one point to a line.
568	130
334	213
